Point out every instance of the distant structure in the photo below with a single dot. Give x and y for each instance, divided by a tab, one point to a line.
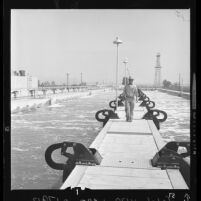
157	78
67	83
21	83
81	79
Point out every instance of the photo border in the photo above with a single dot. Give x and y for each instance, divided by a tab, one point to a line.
77	193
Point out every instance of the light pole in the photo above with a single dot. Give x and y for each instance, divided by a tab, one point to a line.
125	62
128	72
117	42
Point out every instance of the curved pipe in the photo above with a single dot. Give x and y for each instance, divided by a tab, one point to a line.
48	157
112	104
105	113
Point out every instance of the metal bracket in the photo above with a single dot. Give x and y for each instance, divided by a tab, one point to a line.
121	97
168	156
107	114
79	155
112	104
153	114
82	155
148	104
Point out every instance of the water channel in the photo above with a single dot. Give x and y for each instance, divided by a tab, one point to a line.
74	120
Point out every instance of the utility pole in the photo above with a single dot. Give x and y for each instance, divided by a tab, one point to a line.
67	79
81	78
180	83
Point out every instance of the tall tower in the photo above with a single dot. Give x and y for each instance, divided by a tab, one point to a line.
157	78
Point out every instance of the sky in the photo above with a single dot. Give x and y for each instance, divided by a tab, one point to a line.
49	44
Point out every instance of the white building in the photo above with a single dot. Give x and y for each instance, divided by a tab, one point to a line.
23	83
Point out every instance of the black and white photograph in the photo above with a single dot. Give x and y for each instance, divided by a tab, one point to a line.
100	99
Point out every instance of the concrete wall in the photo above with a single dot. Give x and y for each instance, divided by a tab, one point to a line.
176	93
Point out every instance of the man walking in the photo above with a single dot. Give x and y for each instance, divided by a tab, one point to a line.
130	93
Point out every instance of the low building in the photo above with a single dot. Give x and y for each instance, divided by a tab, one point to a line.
22	83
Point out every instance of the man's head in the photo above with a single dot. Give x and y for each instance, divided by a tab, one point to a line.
130	80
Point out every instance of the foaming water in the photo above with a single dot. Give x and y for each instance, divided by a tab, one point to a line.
18	149
177	125
56	105
32	132
74	120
